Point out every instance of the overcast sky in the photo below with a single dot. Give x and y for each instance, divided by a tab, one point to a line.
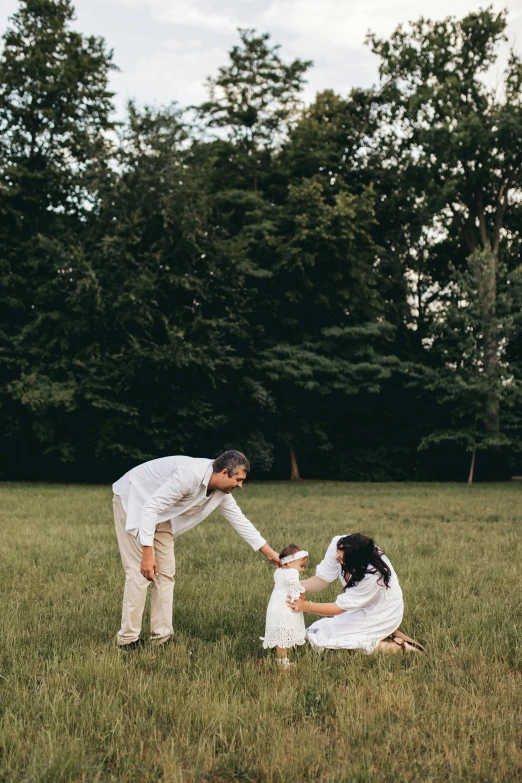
165	49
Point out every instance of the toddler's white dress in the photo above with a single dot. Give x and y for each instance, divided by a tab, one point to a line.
284	628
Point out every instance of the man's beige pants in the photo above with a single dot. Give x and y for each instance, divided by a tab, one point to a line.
135	593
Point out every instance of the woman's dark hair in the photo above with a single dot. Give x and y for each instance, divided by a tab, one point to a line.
361	557
291	549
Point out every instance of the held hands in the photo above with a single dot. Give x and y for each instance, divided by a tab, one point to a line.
270	555
149	567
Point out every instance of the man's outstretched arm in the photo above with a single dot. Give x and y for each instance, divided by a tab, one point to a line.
246	529
270	555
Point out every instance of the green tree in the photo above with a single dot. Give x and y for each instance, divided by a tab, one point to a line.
457	144
460	383
319	316
253	101
54	116
338	141
160	301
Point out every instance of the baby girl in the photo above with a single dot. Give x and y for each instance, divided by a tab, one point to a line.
284	628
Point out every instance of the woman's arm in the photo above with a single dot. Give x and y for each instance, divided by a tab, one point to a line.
304	605
314	584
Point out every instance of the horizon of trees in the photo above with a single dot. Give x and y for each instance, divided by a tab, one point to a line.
333	288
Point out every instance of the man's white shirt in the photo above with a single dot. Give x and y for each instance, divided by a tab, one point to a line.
175	489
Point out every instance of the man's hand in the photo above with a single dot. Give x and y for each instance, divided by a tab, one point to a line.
149	567
270	555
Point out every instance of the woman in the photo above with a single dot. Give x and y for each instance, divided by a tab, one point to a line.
370	608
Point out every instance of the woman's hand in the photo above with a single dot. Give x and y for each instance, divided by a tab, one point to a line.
296	604
304	605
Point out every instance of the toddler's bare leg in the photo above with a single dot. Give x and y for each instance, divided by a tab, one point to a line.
281	652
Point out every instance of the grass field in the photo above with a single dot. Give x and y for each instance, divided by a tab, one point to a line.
213	707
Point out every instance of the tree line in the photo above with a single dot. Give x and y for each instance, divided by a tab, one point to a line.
333	288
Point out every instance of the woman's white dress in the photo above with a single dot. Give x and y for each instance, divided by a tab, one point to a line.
284	628
372	612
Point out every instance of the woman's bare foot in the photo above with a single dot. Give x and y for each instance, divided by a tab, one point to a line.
396	645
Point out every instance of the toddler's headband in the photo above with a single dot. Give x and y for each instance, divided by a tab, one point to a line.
295	556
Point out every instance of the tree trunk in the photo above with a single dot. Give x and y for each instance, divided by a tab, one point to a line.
472	466
491	347
294	468
485	267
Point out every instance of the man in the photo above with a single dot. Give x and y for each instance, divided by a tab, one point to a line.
153	504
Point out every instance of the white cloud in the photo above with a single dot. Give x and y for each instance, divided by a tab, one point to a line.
197	14
172	73
167	48
186	14
7	8
332	33
334	23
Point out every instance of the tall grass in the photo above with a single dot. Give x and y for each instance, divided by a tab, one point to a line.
213	706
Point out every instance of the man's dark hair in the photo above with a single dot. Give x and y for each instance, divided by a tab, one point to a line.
231	461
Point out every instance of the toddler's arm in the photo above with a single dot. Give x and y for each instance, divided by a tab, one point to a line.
295	588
